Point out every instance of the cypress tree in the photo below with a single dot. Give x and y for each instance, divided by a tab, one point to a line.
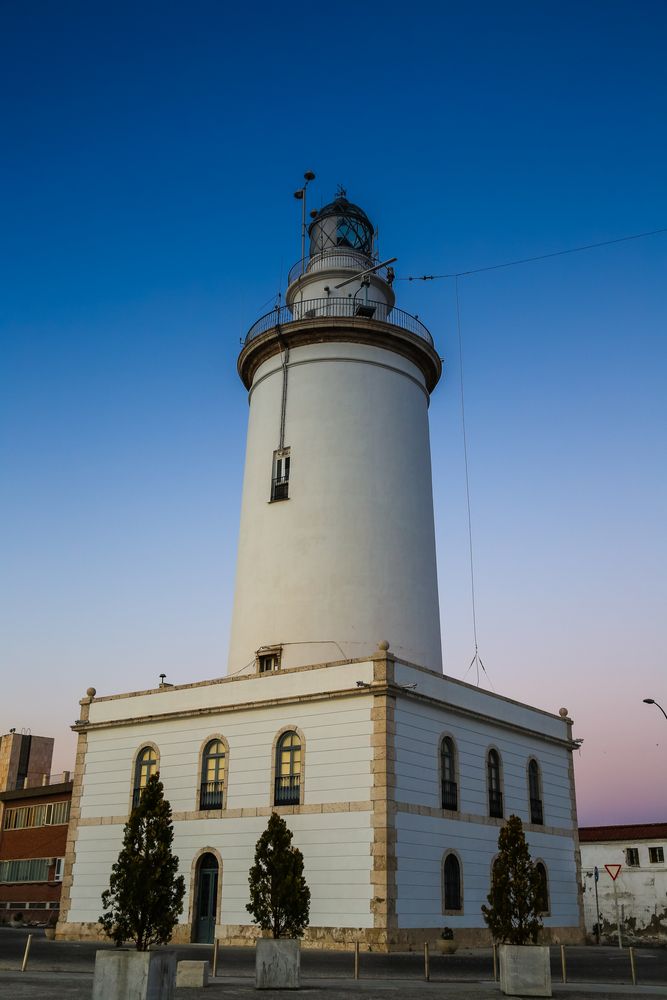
513	913
145	895
279	896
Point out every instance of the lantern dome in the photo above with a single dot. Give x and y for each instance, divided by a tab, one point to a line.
341	224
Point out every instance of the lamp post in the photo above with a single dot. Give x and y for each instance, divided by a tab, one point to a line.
651	701
300	195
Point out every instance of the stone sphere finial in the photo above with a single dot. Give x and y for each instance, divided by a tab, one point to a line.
91	692
563	713
383	645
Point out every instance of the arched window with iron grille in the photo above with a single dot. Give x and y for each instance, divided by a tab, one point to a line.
449	790
288	770
494	784
535	792
452	887
213	772
145	766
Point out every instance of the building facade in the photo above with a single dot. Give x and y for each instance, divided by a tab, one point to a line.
335	713
637	897
34	815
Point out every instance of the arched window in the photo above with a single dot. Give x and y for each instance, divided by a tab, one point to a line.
288	770
494	784
535	792
213	767
145	766
543	897
451	874
450	792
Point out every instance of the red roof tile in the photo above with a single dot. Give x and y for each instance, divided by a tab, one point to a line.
630	831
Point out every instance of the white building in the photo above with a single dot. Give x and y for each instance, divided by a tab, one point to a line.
335	711
637	897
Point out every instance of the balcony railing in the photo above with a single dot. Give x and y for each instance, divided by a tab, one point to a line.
338	257
536	813
357	309
496	804
450	796
280	488
288	790
211	795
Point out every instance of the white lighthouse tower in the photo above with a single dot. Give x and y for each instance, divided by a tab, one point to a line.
337	547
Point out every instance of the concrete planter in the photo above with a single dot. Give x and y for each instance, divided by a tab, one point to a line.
525	970
278	964
134	975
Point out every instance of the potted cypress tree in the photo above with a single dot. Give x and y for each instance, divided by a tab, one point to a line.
280	904
513	916
142	904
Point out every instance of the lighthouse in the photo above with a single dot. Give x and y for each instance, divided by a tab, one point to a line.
337	545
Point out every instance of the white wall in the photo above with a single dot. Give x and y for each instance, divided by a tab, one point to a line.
326	570
337	759
641	892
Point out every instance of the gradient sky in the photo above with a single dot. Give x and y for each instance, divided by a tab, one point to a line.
149	155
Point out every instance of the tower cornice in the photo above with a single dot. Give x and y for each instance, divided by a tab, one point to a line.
340	329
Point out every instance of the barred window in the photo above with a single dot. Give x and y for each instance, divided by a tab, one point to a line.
30	870
45	814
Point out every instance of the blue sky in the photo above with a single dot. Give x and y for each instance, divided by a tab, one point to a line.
150	152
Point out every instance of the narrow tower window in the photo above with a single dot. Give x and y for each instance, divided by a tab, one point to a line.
280	480
543	897
452	884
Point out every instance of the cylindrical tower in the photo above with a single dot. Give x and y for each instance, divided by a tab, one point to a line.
337	546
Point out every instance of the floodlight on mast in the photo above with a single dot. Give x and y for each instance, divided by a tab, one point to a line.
368	270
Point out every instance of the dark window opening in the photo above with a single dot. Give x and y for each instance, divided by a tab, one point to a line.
452	878
280	480
493	778
450	798
543	894
632	857
535	791
656	855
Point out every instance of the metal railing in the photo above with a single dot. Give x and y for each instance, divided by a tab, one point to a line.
288	790
280	488
450	797
357	309
354	260
211	794
536	813
496	804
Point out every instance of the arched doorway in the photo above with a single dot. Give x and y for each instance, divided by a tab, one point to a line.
206	899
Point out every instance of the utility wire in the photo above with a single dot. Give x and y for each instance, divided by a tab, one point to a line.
528	260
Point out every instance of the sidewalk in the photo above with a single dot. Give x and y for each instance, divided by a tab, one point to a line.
78	986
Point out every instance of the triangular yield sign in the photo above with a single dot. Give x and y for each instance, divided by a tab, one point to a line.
613	870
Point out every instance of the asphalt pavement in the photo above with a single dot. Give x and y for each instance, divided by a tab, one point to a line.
62	970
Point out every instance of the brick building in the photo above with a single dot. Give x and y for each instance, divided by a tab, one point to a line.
34	814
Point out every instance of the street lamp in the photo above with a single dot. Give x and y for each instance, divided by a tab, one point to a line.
300	195
651	701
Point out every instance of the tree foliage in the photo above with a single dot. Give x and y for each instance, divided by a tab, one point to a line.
145	895
513	914
279	896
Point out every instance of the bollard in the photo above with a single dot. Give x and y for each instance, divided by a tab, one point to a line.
356	959
562	962
27	952
214	970
495	965
427	970
633	968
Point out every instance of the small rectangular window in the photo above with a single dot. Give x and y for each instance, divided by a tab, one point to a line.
280	475
632	857
656	855
267	659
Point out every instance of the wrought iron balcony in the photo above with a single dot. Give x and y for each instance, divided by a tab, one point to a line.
211	795
280	488
356	309
496	804
536	813
450	795
288	790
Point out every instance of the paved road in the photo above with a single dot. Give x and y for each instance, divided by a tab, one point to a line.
327	975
